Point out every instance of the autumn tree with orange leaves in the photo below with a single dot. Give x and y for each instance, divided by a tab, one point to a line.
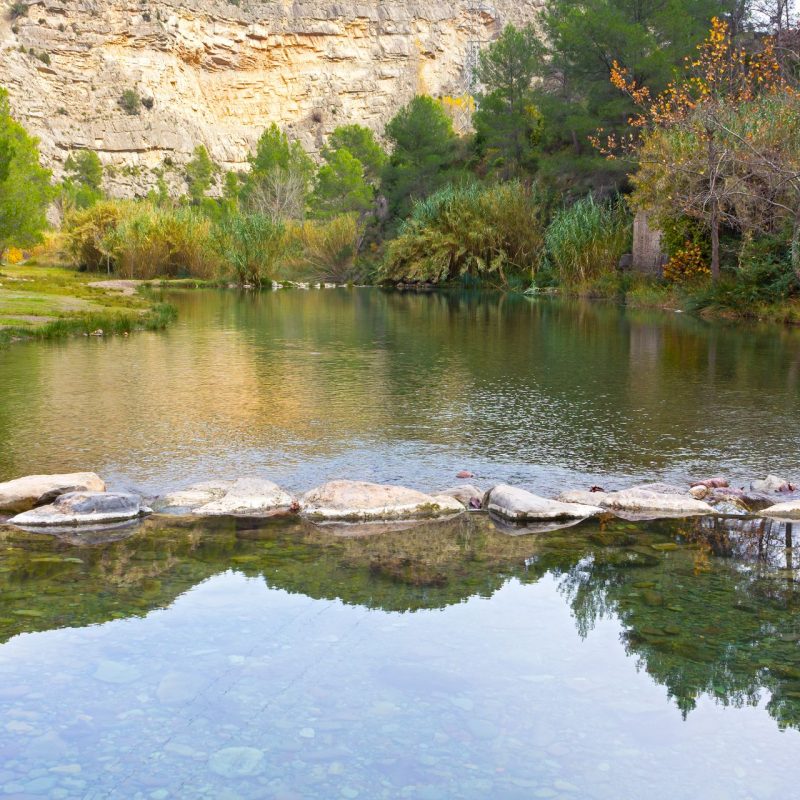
721	146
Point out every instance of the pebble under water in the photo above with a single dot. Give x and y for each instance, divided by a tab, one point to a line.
448	660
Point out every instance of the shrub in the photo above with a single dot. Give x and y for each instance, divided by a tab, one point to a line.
687	266
253	245
86	233
328	249
18	10
587	239
130	102
492	232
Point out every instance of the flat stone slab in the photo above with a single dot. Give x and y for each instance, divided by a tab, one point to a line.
520	505
360	501
83	508
252	497
471	497
641	502
789	510
25	493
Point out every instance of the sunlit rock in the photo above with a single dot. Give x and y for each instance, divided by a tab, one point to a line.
22	494
469	496
788	510
772	483
242	497
520	505
84	508
642	502
359	500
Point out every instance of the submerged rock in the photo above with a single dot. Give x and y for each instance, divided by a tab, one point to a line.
243	497
471	497
25	493
520	505
84	508
358	501
237	762
642	501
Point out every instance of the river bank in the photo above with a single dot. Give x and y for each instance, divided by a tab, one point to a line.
47	302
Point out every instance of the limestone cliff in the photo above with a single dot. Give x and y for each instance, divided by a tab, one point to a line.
217	72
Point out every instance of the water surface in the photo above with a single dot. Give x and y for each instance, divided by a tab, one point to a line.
305	386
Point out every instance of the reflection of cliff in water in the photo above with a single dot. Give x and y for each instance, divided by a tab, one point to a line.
707	607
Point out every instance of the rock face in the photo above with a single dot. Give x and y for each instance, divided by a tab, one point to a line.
360	501
215	72
641	502
519	505
242	497
22	494
84	508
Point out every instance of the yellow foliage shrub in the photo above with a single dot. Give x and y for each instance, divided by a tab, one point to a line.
14	255
687	265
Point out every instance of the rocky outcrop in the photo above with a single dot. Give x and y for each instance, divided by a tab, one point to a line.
358	501
519	505
250	497
22	494
215	72
83	508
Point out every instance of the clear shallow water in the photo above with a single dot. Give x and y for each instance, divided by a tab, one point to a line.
305	386
444	661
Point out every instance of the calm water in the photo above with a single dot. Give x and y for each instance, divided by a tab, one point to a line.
451	660
446	661
305	386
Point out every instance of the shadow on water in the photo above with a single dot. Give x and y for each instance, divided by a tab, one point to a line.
707	606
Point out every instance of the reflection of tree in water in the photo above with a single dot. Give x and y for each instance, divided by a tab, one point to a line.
714	617
706	607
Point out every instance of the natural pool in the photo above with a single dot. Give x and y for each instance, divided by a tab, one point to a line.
447	660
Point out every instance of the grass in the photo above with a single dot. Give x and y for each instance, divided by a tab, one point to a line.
44	301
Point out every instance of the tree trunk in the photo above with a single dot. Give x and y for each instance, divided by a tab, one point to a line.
714	240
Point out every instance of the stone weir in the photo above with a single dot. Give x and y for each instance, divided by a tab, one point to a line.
215	72
80	499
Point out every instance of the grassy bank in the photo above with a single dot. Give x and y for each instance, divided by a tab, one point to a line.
39	301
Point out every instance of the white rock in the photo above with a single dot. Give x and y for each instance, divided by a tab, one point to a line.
359	501
84	508
248	496
464	494
699	492
517	504
772	483
33	490
641	501
788	510
199	494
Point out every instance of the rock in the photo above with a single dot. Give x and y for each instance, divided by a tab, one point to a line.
471	497
751	501
243	497
23	494
661	488
642	502
358	501
712	483
237	762
464	474
520	505
699	491
772	483
788	511
84	508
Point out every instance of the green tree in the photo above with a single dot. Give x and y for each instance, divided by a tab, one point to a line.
584	38
424	148
507	121
340	186
25	190
81	187
362	144
199	174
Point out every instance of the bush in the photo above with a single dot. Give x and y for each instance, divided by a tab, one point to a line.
328	249
687	266
493	232
130	102
86	233
587	239
18	10
253	245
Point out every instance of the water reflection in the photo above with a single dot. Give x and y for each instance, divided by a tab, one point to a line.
304	386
